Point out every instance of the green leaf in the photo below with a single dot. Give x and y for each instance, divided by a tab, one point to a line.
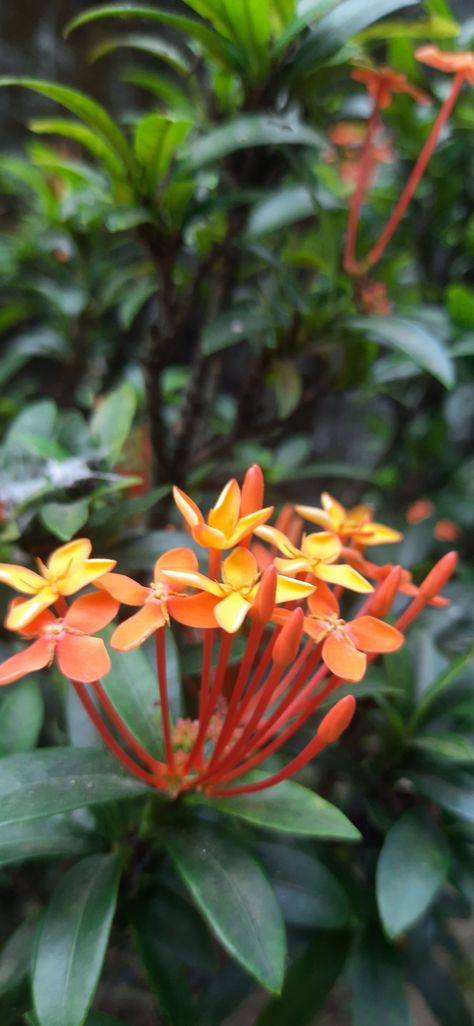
339	25
50	837
377	984
244	132
33	343
72	941
21	718
52	780
445	746
287	384
171	94
152	45
308	983
434	28
35	419
287	807
308	893
249	28
132	688
65	519
85	136
156	140
232	327
15	958
157	922
404	897
89	111
457	797
112	420
410	338
440	992
440	685
235	898
190	26
285	206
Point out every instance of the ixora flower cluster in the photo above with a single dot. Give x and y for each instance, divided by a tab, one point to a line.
283	598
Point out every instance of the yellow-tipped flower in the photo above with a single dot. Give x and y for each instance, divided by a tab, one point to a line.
317	555
225	527
68	570
356	523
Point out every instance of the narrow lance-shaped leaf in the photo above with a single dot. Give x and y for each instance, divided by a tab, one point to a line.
152	45
410	338
340	24
190	26
244	132
85	136
73	940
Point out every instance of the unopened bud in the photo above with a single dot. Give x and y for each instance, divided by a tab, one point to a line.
252	491
265	600
386	592
336	720
287	643
435	581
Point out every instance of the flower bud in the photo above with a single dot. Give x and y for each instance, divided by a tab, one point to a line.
385	594
252	491
439	576
265	600
336	720
287	643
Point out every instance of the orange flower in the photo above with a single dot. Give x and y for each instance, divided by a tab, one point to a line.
344	644
446	530
79	656
381	83
225	526
356	523
68	570
233	597
419	511
316	555
154	600
461	61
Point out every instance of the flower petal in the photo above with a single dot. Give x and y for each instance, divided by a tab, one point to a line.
315	516
372	635
290	590
278	539
139	627
195	611
193	580
90	613
334	509
20	578
345	575
188	509
22	614
225	514
209	537
240	569
322	545
124	589
378	534
82	658
176	559
35	657
90	570
231	612
248	524
342	658
68	558
293	566
323	602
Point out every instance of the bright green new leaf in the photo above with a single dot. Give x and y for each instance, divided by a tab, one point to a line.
235	898
85	136
156	140
72	941
411	869
152	45
190	26
340	24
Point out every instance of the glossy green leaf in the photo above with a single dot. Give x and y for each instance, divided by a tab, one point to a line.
455	796
65	519
340	24
53	780
442	683
244	132
173	95
234	897
190	26
89	111
287	807
112	420
152	45
411	339
308	893
165	926
377	983
15	966
132	688
72	941
307	12
404	896
308	983
232	327
285	206
85	136
156	140
21	718
56	837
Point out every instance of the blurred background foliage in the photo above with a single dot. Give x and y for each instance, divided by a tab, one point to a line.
172	308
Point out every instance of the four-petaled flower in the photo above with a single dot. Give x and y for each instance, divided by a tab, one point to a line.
356	523
225	526
316	555
454	62
79	656
233	597
67	570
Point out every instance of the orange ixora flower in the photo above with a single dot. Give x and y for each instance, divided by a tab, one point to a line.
344	644
79	656
233	597
458	62
381	83
356	523
67	570
154	600
419	511
316	555
227	523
